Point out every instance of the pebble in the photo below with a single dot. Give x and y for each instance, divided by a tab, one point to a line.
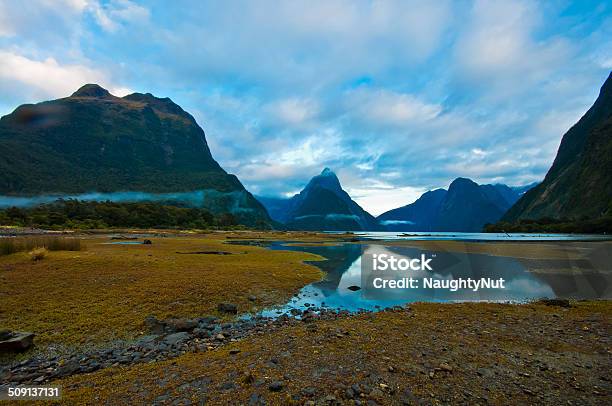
276	386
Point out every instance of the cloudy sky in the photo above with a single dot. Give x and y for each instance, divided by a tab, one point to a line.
397	97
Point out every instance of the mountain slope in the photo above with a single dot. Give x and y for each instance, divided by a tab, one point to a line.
466	207
321	205
277	207
578	183
94	141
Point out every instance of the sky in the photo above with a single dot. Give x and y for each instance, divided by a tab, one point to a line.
397	97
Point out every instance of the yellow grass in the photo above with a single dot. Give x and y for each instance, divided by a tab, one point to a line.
107	291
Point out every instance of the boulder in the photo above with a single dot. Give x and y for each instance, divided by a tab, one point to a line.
153	325
205	321
11	341
177	338
276	386
181	324
227	308
201	333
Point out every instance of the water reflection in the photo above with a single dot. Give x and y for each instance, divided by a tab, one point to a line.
525	279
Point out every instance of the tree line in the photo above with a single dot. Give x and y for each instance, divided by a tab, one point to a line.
602	225
78	214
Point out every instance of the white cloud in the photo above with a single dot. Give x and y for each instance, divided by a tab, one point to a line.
294	111
49	79
381	106
303	44
44	21
112	15
606	63
479	152
377	200
498	47
289	160
312	152
6	26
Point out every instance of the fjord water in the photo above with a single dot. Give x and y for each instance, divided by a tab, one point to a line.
458	236
526	279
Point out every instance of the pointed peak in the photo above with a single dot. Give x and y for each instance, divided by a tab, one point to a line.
326	179
327	172
91	90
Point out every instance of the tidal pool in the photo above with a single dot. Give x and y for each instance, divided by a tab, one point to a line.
526	279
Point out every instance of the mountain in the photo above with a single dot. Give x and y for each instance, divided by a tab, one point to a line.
93	141
418	216
466	207
578	185
321	205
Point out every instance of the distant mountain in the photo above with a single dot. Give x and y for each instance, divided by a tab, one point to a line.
422	215
93	141
321	205
466	207
579	183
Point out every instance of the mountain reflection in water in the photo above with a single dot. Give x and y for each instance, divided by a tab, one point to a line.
526	279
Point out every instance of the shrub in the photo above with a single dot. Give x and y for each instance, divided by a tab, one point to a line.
38	253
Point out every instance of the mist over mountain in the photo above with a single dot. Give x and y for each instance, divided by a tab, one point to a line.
579	182
94	142
465	207
321	205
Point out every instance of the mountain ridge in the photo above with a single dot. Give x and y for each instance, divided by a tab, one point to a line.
464	207
93	141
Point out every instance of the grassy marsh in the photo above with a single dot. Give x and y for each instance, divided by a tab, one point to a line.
105	292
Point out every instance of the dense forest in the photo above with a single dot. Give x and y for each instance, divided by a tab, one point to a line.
89	215
600	225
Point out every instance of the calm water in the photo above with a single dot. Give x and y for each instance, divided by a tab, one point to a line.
124	243
385	235
567	278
